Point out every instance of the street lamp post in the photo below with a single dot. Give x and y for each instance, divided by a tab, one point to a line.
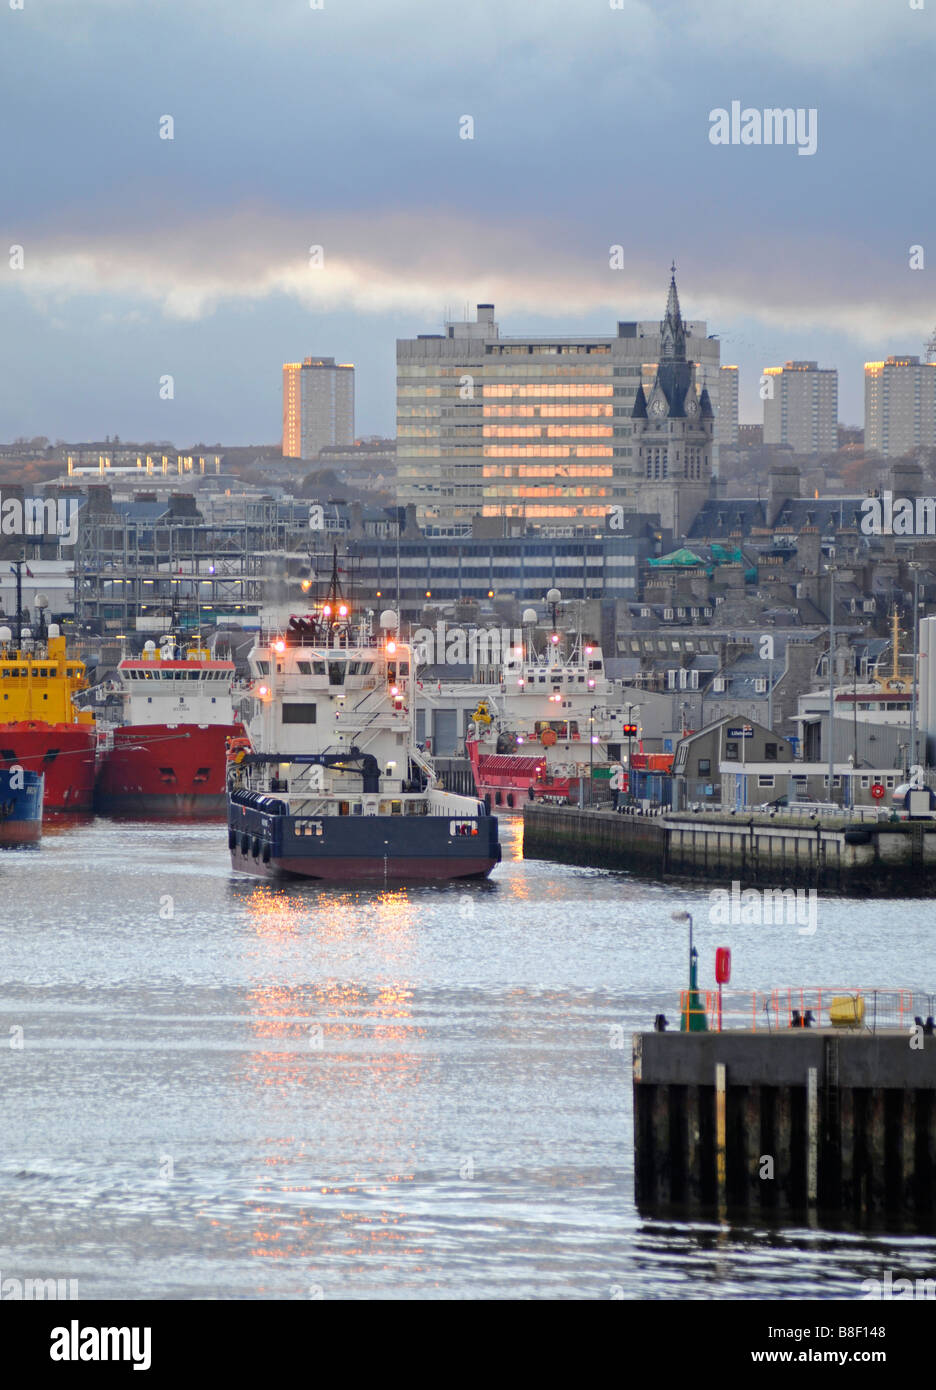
686	917
694	1020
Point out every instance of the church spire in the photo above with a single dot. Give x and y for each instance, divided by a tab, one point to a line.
672	329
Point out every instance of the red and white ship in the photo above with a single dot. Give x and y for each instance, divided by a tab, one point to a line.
549	726
168	757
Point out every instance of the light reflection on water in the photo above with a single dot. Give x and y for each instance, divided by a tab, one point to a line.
367	1093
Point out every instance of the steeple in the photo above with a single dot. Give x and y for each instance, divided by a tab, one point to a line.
672	329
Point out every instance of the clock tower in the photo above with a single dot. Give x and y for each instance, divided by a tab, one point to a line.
673	430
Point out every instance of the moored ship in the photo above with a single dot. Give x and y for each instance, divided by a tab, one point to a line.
337	789
42	729
552	722
168	757
20	806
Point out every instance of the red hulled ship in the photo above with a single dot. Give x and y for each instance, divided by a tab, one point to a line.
168	757
42	728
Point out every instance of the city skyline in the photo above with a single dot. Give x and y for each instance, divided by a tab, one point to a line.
146	256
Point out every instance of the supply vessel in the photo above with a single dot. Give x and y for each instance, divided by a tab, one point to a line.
333	786
42	729
168	756
554	720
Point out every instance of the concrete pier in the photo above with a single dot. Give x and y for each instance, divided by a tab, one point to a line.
869	858
786	1122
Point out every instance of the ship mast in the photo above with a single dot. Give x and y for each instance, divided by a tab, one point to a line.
18	567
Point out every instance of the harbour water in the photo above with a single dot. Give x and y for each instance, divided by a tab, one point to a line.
215	1088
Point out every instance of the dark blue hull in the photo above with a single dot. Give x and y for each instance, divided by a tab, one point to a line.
376	849
20	806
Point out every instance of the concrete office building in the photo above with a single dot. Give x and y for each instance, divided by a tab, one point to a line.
318	406
534	427
801	409
900	405
726	413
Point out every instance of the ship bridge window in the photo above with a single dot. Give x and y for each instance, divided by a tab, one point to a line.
318	668
294	713
304	668
366	668
263	668
354	668
594	666
336	673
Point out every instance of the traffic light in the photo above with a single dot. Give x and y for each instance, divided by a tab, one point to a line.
629	730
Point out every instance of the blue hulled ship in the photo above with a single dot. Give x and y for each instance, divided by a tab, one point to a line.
20	806
333	786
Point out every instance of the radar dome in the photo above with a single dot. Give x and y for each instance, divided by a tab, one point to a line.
529	616
389	619
53	630
5	634
553	596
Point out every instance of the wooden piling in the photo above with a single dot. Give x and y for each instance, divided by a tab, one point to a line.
710	1107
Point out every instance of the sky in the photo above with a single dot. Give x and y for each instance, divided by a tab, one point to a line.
339	127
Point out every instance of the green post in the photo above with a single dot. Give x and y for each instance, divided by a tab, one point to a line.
693	1018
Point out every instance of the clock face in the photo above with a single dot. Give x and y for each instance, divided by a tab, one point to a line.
658	407
692	406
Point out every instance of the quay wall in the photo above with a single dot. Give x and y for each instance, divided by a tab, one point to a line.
846	1120
866	859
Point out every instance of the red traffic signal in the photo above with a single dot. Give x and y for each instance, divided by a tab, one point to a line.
629	730
723	965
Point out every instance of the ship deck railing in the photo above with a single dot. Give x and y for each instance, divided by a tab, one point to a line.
839	1007
313	807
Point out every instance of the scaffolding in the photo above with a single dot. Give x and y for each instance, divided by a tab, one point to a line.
174	570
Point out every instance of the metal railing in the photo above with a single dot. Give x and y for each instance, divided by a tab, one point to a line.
843	1007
